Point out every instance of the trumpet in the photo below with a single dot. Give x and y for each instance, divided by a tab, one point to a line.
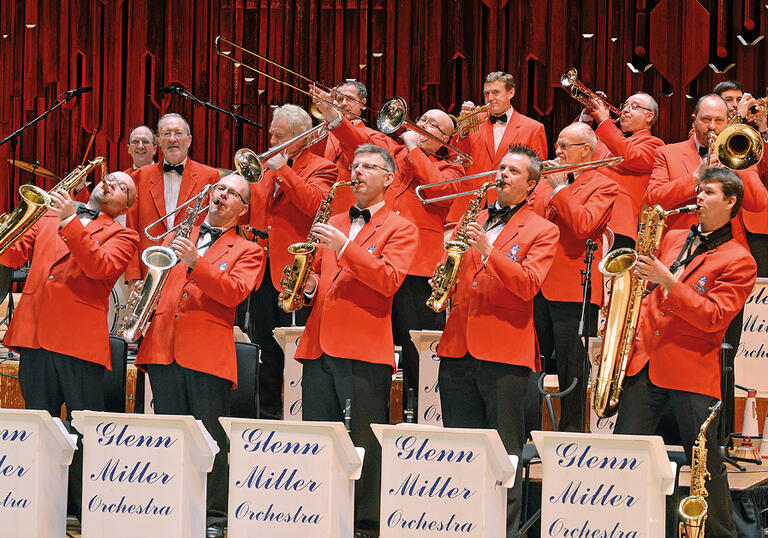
228	54
570	83
547	170
251	166
394	115
469	121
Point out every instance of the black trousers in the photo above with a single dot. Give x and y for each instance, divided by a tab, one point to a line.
48	380
265	315
758	246
327	383
180	391
642	404
482	394
557	328
411	313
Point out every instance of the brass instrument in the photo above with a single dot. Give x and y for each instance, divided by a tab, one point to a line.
738	146
232	46
447	271
295	276
546	170
159	261
251	166
693	509
469	121
394	115
623	308
570	83
35	202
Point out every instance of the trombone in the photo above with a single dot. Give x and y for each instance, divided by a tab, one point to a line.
234	46
199	196
546	170
251	166
570	83
394	115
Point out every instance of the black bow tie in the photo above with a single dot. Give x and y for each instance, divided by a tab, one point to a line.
695	232
214	232
501	118
87	211
628	134
170	168
354	213
495	212
703	150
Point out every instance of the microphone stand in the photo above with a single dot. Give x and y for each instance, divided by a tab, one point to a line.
13	139
584	328
237	118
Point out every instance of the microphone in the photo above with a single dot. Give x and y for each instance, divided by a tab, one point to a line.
173	88
78	91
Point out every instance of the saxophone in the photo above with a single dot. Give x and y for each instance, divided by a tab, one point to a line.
446	272
623	309
295	275
693	509
159	261
34	203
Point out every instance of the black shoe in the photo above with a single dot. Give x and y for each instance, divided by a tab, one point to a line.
215	530
364	534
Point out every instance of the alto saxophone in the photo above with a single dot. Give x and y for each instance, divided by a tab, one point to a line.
35	202
295	275
623	309
159	261
446	272
693	509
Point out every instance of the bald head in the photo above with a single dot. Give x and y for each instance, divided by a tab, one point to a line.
114	194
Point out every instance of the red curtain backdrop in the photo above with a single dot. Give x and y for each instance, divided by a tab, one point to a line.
434	53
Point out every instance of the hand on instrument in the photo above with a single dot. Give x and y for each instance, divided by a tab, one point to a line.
477	239
61	204
329	237
276	162
652	270
558	178
322	101
411	139
467	106
745	103
598	110
310	285
185	250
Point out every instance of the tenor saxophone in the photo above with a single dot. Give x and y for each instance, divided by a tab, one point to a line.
35	202
693	509
295	275
623	309
159	261
445	275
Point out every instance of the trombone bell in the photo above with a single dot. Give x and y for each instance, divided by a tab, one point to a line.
739	146
248	165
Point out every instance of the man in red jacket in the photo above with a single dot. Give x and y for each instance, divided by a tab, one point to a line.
504	126
702	279
284	203
189	350
363	260
512	252
60	326
631	139
142	147
580	205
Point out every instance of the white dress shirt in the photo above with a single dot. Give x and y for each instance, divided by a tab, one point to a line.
499	128
171	188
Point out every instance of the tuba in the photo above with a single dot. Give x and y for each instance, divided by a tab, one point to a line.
159	261
623	309
693	509
35	202
446	272
295	275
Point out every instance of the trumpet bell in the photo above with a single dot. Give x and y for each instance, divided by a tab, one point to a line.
248	165
566	81
739	146
392	115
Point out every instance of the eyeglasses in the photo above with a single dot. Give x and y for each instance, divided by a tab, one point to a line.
141	143
221	189
430	123
368	167
169	134
565	147
633	107
112	180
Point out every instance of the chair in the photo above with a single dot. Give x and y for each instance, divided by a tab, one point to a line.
115	380
245	398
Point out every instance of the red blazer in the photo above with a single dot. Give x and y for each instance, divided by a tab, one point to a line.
757	221
196	311
289	215
150	203
493	303
414	168
680	333
479	145
672	186
65	301
631	175
352	313
581	211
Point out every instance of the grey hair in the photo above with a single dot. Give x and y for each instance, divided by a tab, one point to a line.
173	115
298	119
151	132
653	105
585	131
501	76
362	91
389	162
